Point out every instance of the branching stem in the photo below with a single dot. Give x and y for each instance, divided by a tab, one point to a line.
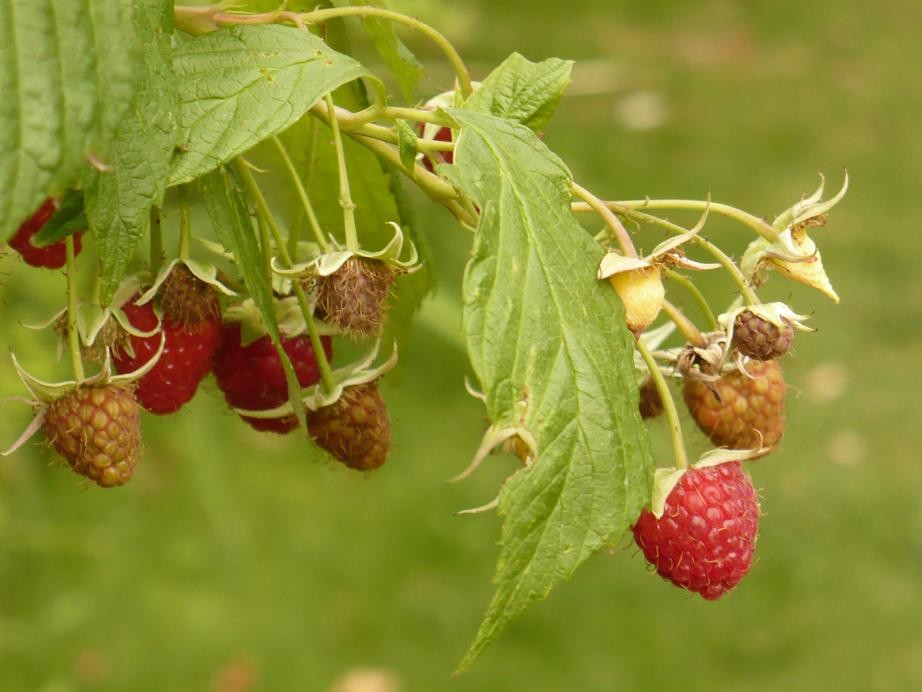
611	220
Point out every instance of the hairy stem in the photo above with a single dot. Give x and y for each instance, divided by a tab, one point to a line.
684	325
73	338
696	294
302	194
345	195
262	208
672	415
611	220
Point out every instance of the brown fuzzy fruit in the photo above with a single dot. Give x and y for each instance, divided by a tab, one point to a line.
740	411
355	429
98	432
187	301
354	297
758	338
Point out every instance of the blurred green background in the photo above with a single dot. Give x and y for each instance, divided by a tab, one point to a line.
233	561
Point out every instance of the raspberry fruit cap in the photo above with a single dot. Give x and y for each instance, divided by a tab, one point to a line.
740	410
52	256
355	429
97	429
705	539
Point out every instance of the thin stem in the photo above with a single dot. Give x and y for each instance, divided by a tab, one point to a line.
611	220
464	79
672	415
326	372
302	194
697	295
156	241
345	196
760	226
685	325
73	339
185	227
265	242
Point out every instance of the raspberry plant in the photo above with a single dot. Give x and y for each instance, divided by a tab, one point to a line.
261	121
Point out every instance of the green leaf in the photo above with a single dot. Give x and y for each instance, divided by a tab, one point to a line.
67	74
399	59
224	195
241	85
67	220
549	346
119	200
524	91
407	143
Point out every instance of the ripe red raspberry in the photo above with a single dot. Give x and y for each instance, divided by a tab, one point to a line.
186	359
52	256
758	338
354	297
252	376
740	411
355	429
443	135
705	540
97	429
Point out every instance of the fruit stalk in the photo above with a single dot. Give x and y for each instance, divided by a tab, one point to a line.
345	195
672	415
761	227
684	325
697	295
326	373
610	218
302	195
156	241
73	339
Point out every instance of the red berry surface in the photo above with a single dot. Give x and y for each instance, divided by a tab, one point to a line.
252	376
98	431
187	357
52	256
705	540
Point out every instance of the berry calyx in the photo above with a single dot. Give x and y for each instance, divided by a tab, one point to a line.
756	337
642	293
97	429
354	297
185	360
252	377
52	256
706	537
186	300
740	410
355	429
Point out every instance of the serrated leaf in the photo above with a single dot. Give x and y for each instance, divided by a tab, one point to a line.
241	85
521	90
399	59
119	200
550	349
67	74
223	192
67	220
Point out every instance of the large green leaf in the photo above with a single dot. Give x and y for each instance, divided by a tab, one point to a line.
550	349
119	200
522	90
67	73
225	196
241	85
